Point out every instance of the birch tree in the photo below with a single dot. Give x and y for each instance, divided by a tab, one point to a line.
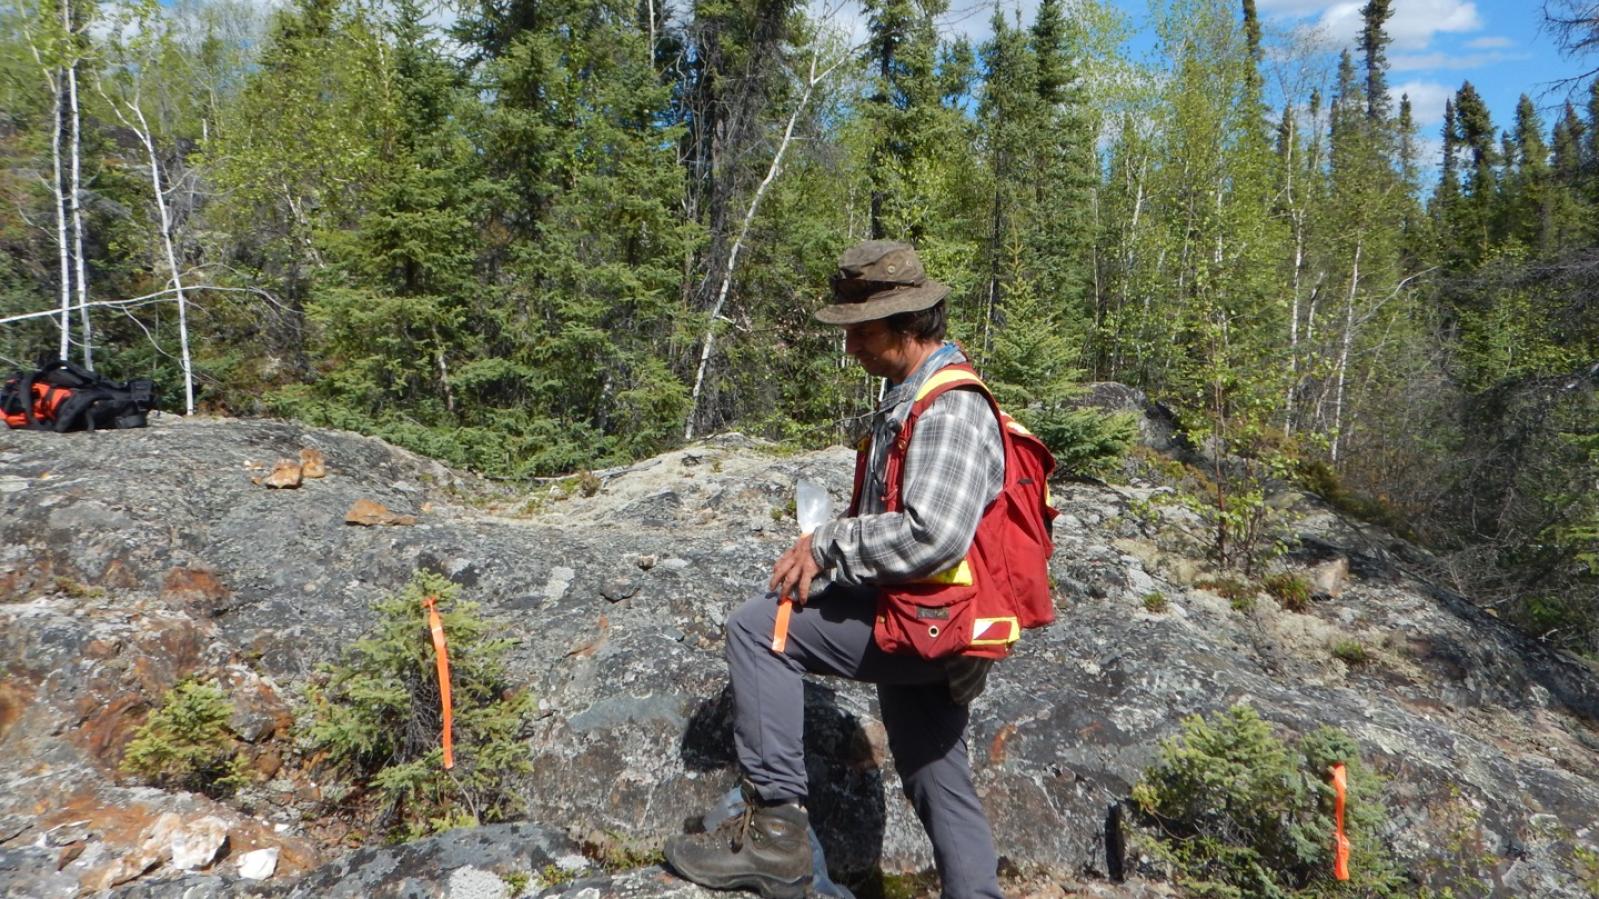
827	53
141	45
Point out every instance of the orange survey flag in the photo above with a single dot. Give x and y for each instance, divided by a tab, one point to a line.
436	625
785	608
1341	843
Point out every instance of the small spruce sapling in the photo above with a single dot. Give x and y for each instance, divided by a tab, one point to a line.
378	718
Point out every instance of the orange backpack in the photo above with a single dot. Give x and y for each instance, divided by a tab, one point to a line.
60	396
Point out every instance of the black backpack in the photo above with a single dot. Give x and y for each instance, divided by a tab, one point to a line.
61	396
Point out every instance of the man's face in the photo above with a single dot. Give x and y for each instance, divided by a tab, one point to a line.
880	350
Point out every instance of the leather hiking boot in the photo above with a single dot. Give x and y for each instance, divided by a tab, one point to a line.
763	848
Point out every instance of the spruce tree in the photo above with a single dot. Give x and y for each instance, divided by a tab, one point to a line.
1529	200
1374	41
1570	219
1477	222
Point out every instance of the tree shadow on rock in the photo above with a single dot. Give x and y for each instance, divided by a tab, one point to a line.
846	804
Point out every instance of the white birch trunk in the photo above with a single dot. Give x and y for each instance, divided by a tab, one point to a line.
749	216
172	256
62	244
1343	355
59	198
77	193
1298	218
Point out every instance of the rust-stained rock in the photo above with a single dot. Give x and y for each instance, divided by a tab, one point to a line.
267	764
199	589
196	843
154	846
287	474
109	725
13	702
312	463
69	853
368	513
17	581
117	576
259	713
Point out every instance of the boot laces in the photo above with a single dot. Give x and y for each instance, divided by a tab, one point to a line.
740	825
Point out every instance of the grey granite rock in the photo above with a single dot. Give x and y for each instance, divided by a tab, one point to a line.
616	602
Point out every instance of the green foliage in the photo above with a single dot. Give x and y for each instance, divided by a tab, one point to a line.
1352	652
1155	602
517	881
77	589
186	743
1320	479
377	716
1228	588
1291	591
1241	814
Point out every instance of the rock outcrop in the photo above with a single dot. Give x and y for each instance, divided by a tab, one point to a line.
131	559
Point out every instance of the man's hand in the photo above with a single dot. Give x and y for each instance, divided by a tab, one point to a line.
793	571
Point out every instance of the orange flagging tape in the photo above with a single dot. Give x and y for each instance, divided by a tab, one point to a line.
1341	843
436	625
785	608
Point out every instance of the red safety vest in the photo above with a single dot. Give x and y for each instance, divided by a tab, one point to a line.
980	606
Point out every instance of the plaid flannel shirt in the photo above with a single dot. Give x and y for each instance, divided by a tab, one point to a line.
954	467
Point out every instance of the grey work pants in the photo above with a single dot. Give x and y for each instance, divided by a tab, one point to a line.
832	634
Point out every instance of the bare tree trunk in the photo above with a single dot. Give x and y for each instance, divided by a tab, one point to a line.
77	190
62	243
650	5
172	257
1343	355
1298	218
743	231
59	198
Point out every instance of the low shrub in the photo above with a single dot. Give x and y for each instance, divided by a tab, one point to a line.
1318	478
1083	441
1291	591
186	743
1240	594
377	717
1351	652
1239	814
1155	602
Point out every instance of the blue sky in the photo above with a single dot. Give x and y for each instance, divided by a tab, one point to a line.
1498	45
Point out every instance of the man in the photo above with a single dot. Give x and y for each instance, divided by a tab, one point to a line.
894	322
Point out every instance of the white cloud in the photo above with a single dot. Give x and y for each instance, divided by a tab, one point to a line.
1412	27
1413	24
1411	62
1427	100
1292	7
1490	43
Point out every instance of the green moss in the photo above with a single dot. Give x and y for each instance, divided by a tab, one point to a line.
880	884
1350	651
1240	594
77	589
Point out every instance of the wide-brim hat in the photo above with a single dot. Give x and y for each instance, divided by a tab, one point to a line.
877	279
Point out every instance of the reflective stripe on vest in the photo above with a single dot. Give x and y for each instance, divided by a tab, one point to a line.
995	631
958	576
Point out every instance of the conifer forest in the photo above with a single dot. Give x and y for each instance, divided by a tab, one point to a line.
537	237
